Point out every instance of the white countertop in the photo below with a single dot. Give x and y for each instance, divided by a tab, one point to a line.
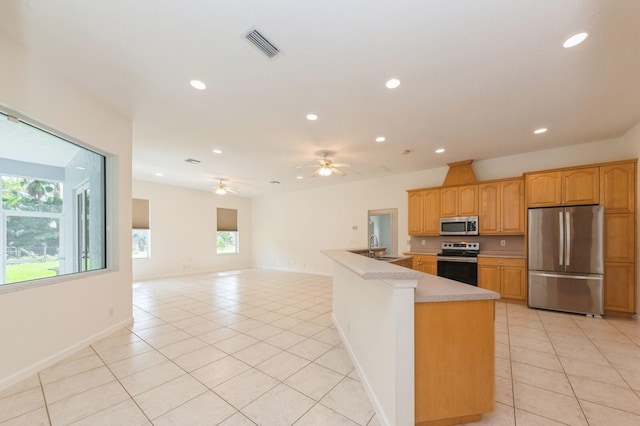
438	289
371	269
430	288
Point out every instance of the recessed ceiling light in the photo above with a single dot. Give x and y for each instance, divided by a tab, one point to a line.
540	131
575	40
159	174
439	150
393	83
217	151
381	139
80	168
312	117
197	84
299	177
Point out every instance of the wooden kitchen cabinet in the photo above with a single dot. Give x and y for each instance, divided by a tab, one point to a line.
426	263
454	356
459	201
501	207
544	189
618	187
415	219
506	276
424	212
618	196
619	237
619	287
579	186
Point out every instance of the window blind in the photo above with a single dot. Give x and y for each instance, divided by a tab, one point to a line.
140	214
227	220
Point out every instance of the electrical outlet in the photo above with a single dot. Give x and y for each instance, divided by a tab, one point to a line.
503	243
424	242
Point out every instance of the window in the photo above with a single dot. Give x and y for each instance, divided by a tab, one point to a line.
227	231
52	216
140	235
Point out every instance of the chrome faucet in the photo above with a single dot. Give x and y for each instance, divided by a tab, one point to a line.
373	242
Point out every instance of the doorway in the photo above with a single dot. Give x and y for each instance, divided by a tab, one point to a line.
383	224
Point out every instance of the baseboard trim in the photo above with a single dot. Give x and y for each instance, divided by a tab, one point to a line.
15	378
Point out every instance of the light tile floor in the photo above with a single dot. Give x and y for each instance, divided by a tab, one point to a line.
258	347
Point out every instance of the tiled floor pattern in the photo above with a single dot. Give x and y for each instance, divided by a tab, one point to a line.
258	347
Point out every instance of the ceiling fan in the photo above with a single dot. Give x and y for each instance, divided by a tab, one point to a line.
325	167
222	189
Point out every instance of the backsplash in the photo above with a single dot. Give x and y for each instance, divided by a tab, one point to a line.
514	244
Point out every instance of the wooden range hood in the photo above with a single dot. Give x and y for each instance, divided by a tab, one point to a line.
460	173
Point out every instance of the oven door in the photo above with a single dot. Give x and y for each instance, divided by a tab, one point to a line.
462	269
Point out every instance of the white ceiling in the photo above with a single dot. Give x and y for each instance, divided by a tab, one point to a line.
478	76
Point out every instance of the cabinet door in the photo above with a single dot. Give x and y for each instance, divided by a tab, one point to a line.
581	186
468	200
490	207
426	264
431	212
619	287
512	207
415	212
619	237
513	282
449	202
618	188
489	277
544	189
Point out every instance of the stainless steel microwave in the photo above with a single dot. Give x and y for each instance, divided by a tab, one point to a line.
466	225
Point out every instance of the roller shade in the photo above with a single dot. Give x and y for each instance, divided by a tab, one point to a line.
140	214
227	220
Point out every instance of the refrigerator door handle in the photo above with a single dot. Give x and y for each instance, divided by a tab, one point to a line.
577	277
561	239
567	224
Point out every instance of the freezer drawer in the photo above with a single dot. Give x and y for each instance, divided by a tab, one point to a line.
567	293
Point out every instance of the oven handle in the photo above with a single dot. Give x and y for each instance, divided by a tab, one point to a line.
460	259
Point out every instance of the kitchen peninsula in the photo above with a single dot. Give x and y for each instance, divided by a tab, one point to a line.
423	345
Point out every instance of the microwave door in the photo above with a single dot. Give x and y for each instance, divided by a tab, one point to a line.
453	228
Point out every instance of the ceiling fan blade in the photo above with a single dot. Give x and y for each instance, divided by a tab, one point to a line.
337	171
341	165
316	173
230	190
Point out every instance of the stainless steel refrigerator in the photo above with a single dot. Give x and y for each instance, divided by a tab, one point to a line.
565	259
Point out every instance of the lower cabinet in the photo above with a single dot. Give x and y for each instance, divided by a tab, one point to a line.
454	361
405	263
426	263
619	288
503	275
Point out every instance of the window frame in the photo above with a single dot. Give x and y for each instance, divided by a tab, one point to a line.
110	207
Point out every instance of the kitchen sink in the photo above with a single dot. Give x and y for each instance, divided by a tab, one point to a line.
388	258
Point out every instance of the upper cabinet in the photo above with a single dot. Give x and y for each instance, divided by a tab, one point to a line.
563	187
617	186
459	201
502	209
424	211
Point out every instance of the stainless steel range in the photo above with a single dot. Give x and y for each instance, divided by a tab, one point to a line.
459	262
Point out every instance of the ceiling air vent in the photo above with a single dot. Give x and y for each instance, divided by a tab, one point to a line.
262	43
192	161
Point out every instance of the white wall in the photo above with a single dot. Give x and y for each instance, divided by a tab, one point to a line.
183	231
41	325
291	229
